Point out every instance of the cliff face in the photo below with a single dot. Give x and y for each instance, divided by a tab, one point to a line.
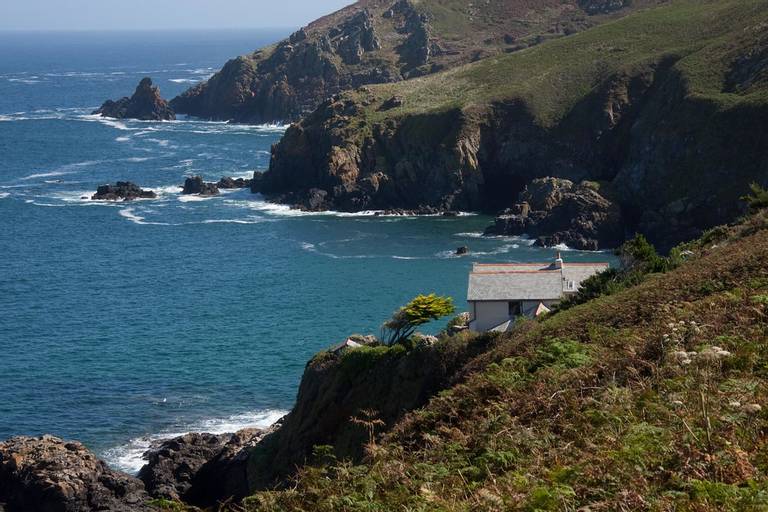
382	41
337	389
663	109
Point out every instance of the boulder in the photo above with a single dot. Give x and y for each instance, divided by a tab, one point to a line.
462	251
122	191
146	104
201	469
196	185
49	474
556	211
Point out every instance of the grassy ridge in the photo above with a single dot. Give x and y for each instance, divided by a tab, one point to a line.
604	406
552	78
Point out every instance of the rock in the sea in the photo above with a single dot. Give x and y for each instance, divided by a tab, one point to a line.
200	468
196	185
227	182
49	474
556	211
462	251
122	191
146	104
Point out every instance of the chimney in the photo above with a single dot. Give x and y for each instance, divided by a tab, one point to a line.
558	261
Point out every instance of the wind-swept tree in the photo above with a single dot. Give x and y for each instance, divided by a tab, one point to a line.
421	310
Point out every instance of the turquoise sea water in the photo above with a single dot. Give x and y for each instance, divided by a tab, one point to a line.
122	323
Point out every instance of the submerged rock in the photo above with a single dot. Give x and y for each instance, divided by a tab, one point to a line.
146	104
196	185
122	191
49	474
462	251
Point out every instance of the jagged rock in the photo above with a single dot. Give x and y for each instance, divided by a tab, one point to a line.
200	468
227	182
462	251
603	6
558	212
196	185
393	102
122	191
49	474
146	104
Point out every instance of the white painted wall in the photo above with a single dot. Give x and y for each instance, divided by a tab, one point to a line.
488	314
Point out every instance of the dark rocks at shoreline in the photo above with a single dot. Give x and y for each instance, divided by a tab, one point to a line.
122	191
462	251
49	474
196	185
201	468
556	211
227	182
146	104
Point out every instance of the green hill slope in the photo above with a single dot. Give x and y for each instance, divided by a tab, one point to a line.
379	41
665	107
649	399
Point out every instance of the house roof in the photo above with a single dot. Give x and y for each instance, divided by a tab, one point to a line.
527	281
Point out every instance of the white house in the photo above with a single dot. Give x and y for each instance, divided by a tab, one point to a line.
500	292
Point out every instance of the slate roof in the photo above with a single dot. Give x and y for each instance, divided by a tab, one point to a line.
527	281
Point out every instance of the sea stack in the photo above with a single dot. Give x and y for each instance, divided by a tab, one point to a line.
146	104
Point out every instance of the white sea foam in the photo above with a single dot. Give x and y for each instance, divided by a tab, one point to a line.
45	175
129	213
185	80
122	139
129	456
3	195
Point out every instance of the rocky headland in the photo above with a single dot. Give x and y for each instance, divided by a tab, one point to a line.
122	191
146	104
373	42
636	107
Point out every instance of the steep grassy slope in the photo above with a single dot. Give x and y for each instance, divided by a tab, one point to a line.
666	107
379	41
649	399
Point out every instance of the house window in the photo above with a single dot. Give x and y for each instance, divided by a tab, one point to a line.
514	308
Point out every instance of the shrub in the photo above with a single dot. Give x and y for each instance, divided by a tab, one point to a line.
758	199
421	310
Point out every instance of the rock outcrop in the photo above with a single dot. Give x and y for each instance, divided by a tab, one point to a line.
200	468
196	185
227	182
556	211
146	104
380	42
49	474
122	191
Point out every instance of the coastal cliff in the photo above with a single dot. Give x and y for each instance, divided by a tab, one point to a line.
662	110
382	41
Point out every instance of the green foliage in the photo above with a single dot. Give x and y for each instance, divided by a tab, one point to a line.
563	353
758	199
421	310
359	360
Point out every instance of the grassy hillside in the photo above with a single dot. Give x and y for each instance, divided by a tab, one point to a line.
649	399
703	37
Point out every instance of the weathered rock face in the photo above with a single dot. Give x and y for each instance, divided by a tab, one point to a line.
200	469
196	185
558	212
146	104
48	474
640	133
337	386
122	191
372	42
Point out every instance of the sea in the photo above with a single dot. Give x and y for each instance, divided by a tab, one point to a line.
125	323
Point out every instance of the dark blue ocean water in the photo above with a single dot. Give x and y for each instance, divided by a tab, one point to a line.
122	323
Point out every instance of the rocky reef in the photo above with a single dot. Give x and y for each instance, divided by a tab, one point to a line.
122	191
556	211
146	104
49	474
196	185
375	42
